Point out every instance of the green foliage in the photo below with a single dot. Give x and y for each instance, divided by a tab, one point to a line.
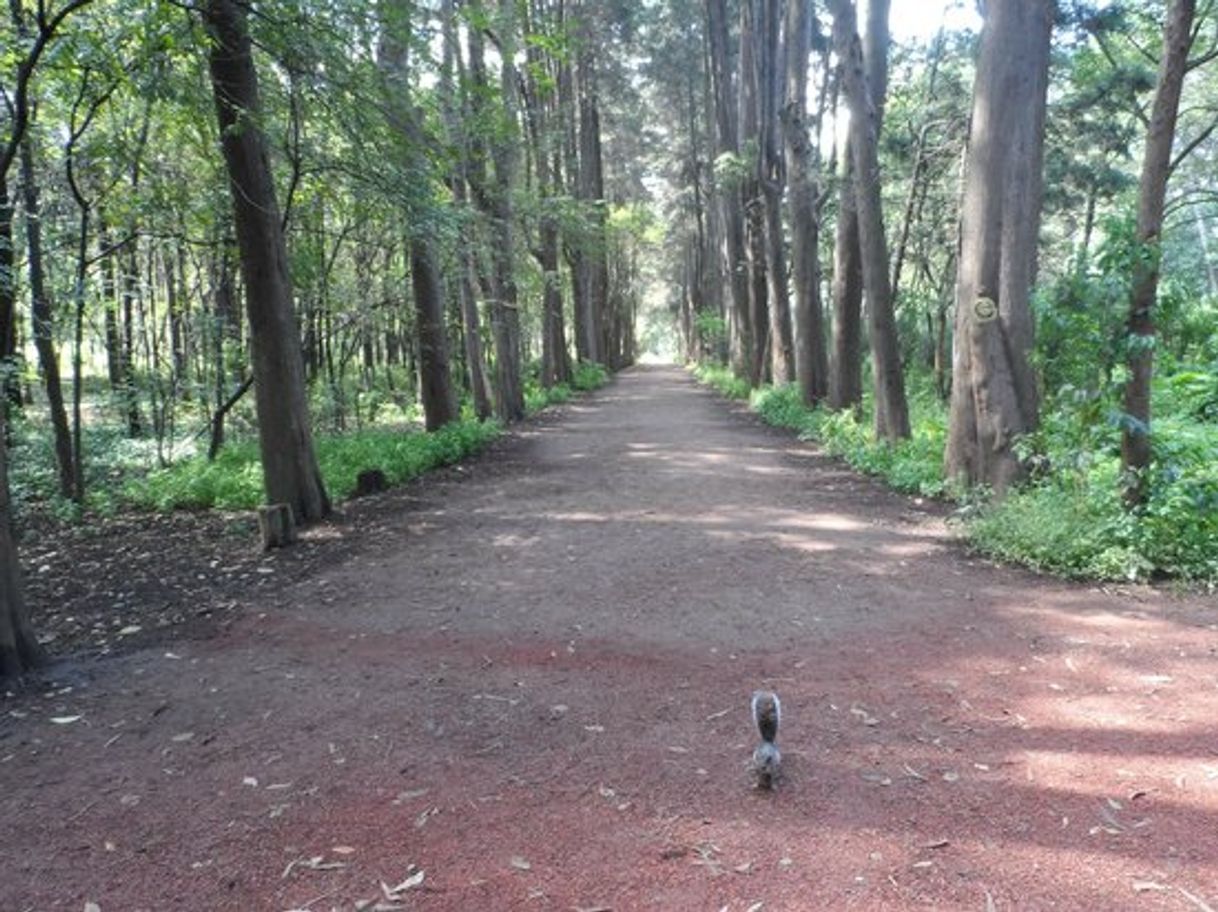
1071	520
914	465
233	481
723	380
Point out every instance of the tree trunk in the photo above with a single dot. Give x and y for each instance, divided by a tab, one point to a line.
891	411
435	384
749	120
43	318
542	115
994	398
773	177
1152	191
435	380
811	358
19	649
591	192
846	379
291	473
10	368
727	143
495	198
451	73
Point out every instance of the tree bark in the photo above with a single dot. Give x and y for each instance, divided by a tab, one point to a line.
749	121
435	380
727	144
495	198
773	176
994	397
452	72
811	357
10	368
846	379
291	473
591	192
19	649
891	411
42	315
1152	191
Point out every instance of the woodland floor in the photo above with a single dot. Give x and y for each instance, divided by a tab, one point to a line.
524	685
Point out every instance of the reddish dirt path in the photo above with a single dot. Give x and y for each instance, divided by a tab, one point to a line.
532	688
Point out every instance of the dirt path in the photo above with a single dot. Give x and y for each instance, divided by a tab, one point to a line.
530	692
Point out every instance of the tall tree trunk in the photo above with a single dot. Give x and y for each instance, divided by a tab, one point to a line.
1152	191
591	192
773	176
435	383
495	198
727	143
435	380
130	293
846	378
43	318
542	117
994	397
10	369
811	358
749	120
452	73
289	465
891	410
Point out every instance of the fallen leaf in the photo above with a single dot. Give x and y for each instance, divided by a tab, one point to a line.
183	737
65	720
251	781
393	894
936	844
1148	886
990	905
92	907
520	864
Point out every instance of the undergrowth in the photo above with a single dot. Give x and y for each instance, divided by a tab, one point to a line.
233	481
1069	519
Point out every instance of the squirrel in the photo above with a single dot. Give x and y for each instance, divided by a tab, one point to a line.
767	711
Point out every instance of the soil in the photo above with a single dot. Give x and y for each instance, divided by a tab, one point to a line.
525	685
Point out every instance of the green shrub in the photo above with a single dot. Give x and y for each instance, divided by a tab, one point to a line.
1069	519
723	380
233	481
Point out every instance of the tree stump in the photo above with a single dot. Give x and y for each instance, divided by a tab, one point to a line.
370	481
277	526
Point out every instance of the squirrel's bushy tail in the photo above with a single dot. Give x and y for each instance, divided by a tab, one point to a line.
767	713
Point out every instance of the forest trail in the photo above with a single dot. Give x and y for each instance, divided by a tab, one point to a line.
530	692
